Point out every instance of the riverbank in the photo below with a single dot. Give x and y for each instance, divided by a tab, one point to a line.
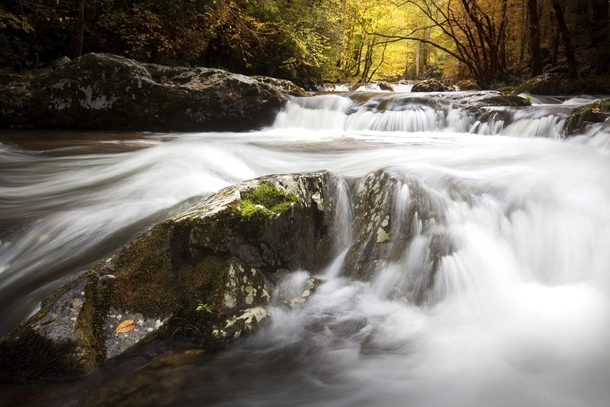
107	92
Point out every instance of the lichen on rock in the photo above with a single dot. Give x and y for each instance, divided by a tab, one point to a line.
103	91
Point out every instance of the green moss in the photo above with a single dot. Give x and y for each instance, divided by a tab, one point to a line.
258	204
269	196
158	275
253	213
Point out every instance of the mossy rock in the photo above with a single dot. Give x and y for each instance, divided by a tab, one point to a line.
260	203
103	91
505	100
554	84
221	253
582	117
430	85
468	84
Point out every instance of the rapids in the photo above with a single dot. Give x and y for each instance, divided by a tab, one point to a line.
520	311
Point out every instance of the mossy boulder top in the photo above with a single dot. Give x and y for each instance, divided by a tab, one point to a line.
103	91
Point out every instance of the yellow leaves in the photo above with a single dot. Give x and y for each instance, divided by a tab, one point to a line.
125	326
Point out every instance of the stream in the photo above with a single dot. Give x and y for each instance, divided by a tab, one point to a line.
519	314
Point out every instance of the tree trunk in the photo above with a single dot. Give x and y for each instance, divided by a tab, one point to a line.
79	31
534	23
598	15
566	40
523	34
417	48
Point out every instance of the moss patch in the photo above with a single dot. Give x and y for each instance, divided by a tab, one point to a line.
596	112
269	196
258	204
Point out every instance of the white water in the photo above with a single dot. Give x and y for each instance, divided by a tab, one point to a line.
520	314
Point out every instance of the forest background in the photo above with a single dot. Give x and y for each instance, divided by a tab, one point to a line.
493	42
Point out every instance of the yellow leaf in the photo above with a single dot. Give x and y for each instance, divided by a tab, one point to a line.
595	110
126	326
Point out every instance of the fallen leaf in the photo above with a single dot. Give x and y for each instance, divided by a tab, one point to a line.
595	110
126	326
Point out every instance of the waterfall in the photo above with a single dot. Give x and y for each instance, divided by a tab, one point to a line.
403	112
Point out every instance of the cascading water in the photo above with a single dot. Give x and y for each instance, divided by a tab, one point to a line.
500	296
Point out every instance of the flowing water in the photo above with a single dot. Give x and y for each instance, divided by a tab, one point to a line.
519	314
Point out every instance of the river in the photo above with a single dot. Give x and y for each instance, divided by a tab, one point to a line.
520	311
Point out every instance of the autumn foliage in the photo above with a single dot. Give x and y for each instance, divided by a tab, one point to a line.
491	41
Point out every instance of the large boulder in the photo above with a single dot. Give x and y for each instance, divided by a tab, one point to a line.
558	84
209	273
103	91
206	273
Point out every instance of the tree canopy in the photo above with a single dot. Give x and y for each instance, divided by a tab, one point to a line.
304	40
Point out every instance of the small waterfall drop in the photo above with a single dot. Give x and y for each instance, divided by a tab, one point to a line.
413	113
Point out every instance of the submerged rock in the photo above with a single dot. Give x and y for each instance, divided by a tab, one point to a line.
103	91
220	257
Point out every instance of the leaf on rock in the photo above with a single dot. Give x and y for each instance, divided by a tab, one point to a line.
595	110
126	326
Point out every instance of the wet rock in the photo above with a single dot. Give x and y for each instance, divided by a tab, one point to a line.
222	253
581	118
468	84
372	86
430	85
56	343
390	212
558	84
103	91
385	86
505	100
545	84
